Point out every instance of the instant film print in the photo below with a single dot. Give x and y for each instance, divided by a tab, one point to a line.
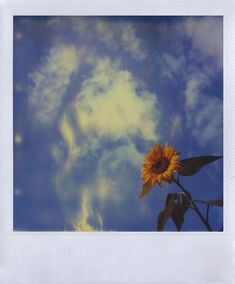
118	123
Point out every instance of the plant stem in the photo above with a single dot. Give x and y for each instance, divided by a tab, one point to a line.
193	205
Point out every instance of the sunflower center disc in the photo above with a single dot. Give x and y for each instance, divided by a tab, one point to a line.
161	165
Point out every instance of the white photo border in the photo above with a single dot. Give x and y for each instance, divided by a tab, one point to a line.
67	257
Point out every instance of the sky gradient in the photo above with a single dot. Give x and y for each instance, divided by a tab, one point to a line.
91	96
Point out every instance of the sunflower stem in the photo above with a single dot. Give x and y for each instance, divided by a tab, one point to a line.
205	222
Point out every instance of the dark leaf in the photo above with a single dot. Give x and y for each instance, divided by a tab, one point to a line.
180	208
176	206
145	189
177	216
166	213
214	202
171	198
192	165
185	201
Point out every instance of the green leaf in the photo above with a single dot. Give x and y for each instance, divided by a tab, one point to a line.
145	190
192	165
166	213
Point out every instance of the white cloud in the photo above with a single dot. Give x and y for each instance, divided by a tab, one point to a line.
116	35
204	113
106	189
110	163
194	86
109	104
208	122
129	153
172	65
176	125
130	42
86	212
206	35
69	137
51	80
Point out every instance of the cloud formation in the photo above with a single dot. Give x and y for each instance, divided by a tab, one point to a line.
206	36
195	61
204	113
172	65
50	81
176	125
69	137
207	123
194	88
114	34
86	212
110	104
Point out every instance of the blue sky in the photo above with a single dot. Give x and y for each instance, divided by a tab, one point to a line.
91	95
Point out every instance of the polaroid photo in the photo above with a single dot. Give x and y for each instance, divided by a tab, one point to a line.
116	148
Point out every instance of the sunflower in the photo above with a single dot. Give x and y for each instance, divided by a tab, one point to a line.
159	165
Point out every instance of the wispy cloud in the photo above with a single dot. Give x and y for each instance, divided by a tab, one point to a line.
195	62
69	137
116	35
204	113
86	212
131	42
172	65
50	81
176	125
112	162
193	41
207	124
206	36
194	87
106	190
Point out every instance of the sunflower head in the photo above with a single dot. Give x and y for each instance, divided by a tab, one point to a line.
159	165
